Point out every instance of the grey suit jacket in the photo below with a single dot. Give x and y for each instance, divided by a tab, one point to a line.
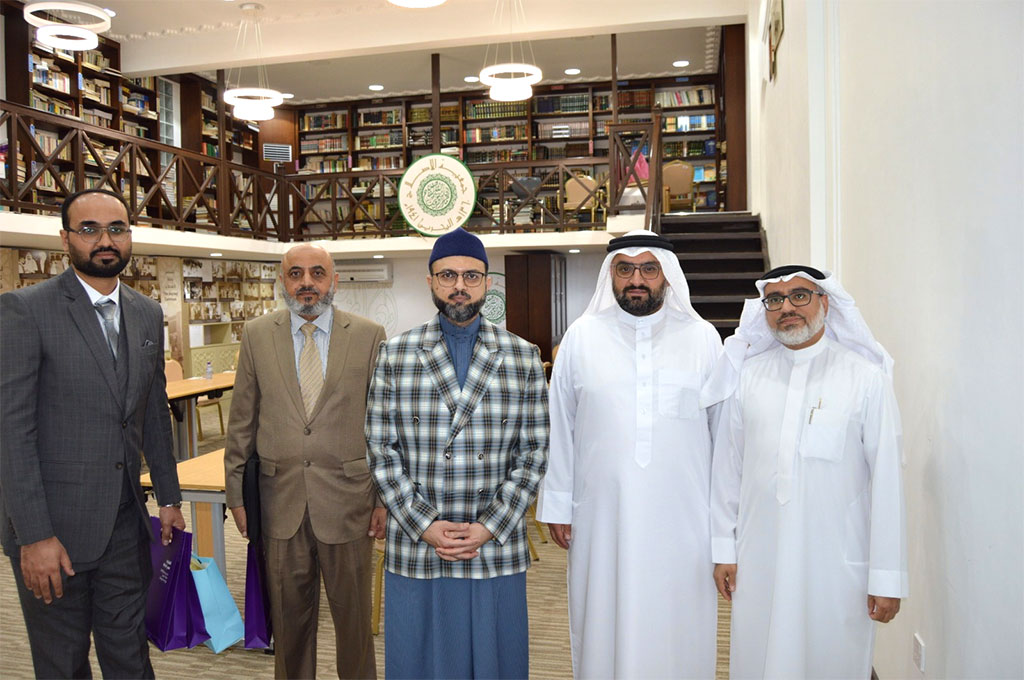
67	432
316	462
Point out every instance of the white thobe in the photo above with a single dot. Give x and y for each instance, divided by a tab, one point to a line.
807	501
629	468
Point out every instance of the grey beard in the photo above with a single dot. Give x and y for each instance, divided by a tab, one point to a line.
458	313
644	307
315	309
799	336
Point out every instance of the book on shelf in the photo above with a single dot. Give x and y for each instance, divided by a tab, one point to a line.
39	101
323	144
379	140
207	101
96	90
495	133
381	117
485	108
379	163
562	130
564	103
94	59
46	73
421	114
145	82
497	155
98	118
325	164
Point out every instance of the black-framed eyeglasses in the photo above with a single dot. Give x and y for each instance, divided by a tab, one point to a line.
798	298
448	277
116	232
648	270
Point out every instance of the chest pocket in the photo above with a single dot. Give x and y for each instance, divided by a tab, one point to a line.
678	394
824	437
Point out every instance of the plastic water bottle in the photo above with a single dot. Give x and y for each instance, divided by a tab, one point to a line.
209	370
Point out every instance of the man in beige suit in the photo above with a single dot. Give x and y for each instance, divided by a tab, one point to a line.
300	402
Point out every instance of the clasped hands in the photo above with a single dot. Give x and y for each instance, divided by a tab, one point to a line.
454	541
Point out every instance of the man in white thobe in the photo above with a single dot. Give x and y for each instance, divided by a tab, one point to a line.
807	514
628	480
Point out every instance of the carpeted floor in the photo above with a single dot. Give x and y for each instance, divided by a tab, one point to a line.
546	591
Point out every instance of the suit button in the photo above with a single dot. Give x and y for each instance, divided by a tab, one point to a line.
124	425
479	456
307	431
479	491
447	455
306	463
119	465
415	420
504	421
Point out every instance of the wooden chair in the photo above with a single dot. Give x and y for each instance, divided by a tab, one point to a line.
575	196
173	371
678	188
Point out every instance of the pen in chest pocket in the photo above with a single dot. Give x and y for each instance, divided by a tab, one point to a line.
813	409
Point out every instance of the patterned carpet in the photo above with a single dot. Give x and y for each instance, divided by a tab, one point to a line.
546	591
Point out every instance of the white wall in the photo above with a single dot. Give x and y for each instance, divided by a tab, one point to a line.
924	106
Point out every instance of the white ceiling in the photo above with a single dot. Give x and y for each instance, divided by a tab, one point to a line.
330	50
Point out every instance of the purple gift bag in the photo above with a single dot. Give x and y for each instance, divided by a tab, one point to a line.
174	616
257	600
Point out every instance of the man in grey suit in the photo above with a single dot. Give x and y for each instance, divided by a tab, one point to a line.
82	394
300	401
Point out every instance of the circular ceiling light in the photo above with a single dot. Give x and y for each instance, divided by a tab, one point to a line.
682	63
253	95
472	79
572	71
417	4
287	95
510	82
253	111
376	88
64	37
510	92
110	13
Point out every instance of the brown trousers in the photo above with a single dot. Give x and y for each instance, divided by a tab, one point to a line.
294	567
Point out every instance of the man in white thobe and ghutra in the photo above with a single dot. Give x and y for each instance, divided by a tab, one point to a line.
807	514
628	481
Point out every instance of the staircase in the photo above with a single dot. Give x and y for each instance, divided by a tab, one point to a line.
722	255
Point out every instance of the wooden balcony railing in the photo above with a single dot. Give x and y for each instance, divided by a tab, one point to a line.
48	157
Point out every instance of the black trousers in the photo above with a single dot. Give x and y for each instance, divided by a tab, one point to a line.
107	600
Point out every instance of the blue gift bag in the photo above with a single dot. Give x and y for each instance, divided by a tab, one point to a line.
220	613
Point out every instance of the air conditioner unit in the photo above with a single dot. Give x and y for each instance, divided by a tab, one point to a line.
359	272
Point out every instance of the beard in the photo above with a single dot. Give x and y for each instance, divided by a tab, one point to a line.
641	306
458	312
801	334
314	309
84	263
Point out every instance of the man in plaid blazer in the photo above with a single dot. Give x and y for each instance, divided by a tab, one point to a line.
457	431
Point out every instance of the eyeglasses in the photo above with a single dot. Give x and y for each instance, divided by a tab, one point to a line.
116	232
448	277
648	270
798	298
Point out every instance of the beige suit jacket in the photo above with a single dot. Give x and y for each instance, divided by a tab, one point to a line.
319	461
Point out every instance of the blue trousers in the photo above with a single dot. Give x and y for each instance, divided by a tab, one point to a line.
456	628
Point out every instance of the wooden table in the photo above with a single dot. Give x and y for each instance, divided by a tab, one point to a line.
182	395
202	484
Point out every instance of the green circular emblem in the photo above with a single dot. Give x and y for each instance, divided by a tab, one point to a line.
435	194
494	306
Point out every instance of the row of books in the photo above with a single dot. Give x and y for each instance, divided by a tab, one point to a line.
485	108
379	163
496	133
567	150
565	103
380	140
55	51
323	120
96	90
705	122
687	96
695	147
48	142
131	128
207	101
41	102
147	82
328	164
95	60
425	136
137	103
385	117
562	130
704	173
496	156
44	72
628	99
323	144
98	118
421	114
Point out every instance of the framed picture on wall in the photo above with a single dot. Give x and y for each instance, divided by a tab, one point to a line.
776	27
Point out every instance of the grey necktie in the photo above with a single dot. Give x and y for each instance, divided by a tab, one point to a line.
107	309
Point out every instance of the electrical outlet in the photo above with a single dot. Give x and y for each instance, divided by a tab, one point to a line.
919	652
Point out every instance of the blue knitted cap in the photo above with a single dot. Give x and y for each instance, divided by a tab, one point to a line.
458	242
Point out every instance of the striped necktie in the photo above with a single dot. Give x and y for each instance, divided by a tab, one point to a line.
107	309
311	370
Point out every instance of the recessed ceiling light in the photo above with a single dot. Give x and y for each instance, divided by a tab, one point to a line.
378	257
472	79
682	63
417	4
110	13
287	95
216	254
376	88
572	71
573	251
